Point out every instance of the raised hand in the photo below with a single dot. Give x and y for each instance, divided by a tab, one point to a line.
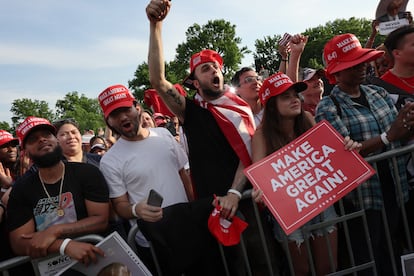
157	10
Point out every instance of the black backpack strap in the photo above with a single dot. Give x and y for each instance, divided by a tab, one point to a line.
387	86
403	96
338	107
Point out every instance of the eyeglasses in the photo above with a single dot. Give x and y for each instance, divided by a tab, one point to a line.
59	123
252	79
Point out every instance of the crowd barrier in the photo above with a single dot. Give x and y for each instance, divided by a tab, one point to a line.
6	265
272	267
346	259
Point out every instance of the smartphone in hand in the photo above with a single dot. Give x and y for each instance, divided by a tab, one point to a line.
154	198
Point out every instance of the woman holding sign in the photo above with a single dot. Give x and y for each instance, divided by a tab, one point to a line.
283	121
367	114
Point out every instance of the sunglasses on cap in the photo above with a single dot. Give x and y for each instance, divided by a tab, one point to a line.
59	123
252	79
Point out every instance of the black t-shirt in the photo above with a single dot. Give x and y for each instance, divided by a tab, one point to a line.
28	199
213	162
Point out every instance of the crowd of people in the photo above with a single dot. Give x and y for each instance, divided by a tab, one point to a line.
58	183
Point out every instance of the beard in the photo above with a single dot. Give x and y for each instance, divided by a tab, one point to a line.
49	159
210	93
132	132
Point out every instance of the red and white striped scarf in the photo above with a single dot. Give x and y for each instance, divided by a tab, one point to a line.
235	119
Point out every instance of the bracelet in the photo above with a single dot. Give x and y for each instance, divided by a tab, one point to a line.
134	212
234	191
384	138
285	60
63	246
3	190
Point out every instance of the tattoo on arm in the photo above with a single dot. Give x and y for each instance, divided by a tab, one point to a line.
175	96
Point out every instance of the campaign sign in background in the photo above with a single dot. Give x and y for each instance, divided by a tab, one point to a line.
307	176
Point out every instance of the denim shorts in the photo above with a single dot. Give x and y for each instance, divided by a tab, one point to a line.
298	236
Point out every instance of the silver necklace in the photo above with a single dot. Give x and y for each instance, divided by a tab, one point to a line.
59	210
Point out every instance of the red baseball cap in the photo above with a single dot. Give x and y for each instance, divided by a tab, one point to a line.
160	119
200	58
226	232
277	84
30	124
345	51
6	137
114	97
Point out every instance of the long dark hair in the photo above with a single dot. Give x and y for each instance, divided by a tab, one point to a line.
273	134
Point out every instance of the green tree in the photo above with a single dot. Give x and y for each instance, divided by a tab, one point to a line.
22	108
266	49
218	35
140	82
266	54
6	126
84	110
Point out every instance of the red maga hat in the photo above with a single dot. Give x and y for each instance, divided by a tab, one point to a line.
345	51
200	58
114	97
6	137
277	84
226	232
30	124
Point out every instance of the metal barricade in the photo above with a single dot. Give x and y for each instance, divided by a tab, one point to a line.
343	218
351	267
6	265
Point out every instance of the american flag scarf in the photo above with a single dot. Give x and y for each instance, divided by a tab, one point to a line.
235	119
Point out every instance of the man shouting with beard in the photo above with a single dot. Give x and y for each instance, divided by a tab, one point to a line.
56	202
218	124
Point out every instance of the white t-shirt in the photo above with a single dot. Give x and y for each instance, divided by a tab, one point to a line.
136	167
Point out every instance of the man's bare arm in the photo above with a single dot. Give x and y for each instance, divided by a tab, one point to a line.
26	241
156	12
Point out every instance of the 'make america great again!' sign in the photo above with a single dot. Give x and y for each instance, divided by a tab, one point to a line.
307	176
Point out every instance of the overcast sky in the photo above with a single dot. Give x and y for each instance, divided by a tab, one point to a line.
49	48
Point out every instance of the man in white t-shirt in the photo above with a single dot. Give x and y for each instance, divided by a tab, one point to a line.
142	159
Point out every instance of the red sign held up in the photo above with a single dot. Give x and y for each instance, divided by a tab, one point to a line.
307	176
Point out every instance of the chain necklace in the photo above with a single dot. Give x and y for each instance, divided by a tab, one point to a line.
59	210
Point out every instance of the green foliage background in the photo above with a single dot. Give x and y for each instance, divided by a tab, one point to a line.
219	35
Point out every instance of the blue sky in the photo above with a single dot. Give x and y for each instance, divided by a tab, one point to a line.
49	48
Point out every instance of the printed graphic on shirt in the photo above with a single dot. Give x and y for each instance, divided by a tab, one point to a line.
45	211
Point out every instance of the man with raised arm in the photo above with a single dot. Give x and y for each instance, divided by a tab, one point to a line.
218	123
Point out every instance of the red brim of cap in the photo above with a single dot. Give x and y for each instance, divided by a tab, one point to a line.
363	55
14	140
127	103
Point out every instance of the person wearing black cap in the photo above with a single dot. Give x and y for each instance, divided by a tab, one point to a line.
59	201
